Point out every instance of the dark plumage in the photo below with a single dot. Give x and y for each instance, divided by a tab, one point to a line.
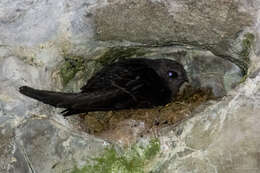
131	83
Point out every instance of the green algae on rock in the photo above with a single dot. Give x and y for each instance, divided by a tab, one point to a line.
70	67
247	42
133	160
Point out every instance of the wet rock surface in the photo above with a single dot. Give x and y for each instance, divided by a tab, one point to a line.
58	45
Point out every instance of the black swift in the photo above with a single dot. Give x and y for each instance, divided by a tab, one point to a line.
126	84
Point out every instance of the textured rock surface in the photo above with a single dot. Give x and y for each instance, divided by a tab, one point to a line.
212	24
38	37
222	138
42	145
34	37
202	22
32	22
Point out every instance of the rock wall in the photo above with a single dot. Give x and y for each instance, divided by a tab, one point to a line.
39	40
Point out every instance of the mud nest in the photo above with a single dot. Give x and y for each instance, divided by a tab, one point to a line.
130	124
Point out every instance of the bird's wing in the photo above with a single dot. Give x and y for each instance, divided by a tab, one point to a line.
139	88
132	77
119	73
97	101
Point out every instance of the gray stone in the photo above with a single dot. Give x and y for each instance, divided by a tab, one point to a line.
34	22
201	22
58	147
40	144
212	39
7	147
213	25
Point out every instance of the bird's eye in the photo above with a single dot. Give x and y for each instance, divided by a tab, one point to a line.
172	74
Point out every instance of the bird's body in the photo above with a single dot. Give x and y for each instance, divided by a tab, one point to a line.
130	83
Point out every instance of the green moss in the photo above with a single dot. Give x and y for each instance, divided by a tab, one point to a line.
70	67
131	161
243	79
247	45
120	53
152	149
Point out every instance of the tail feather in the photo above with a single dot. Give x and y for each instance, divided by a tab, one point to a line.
57	99
68	112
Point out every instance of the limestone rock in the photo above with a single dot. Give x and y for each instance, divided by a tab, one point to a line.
217	41
200	22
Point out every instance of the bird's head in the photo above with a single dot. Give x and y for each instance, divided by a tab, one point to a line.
172	73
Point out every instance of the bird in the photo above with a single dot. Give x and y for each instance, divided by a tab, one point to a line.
125	84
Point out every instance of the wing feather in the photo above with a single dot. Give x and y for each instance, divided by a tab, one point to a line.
121	86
